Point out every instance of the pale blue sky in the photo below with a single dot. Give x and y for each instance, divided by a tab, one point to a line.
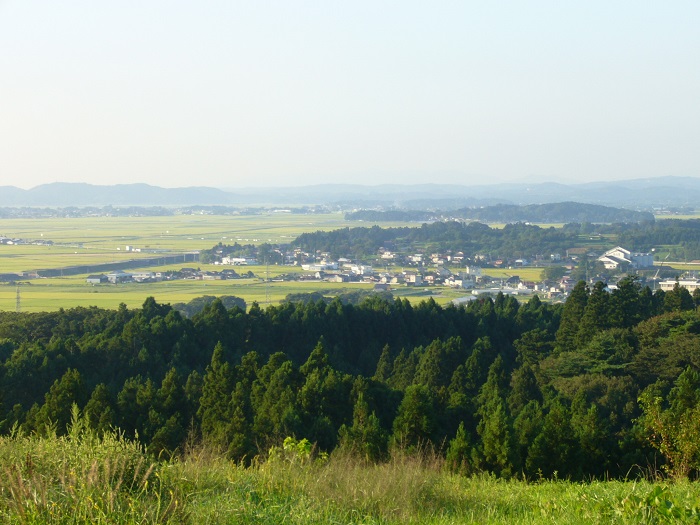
233	94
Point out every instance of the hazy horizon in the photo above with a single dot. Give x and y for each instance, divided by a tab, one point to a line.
232	94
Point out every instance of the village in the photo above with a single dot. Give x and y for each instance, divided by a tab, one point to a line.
390	271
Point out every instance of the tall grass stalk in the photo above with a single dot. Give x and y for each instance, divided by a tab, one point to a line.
81	478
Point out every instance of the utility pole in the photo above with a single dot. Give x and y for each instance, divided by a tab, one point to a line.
18	306
267	281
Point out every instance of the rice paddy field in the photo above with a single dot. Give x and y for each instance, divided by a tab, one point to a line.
67	292
110	235
96	240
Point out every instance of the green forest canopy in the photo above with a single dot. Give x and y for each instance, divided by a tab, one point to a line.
496	386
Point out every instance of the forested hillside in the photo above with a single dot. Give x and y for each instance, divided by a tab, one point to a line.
680	237
514	240
594	387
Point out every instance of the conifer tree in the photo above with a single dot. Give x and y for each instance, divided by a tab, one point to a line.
365	437
596	315
99	410
678	299
527	426
554	450
626	308
497	450
214	403
276	413
574	308
59	400
383	371
415	421
458	454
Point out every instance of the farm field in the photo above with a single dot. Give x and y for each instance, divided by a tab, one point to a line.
53	293
96	240
176	233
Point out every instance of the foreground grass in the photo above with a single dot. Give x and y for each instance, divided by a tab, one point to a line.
81	479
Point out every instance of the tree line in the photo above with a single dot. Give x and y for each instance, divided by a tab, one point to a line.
559	212
597	386
514	240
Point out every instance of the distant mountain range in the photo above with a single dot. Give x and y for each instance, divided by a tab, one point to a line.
635	194
63	194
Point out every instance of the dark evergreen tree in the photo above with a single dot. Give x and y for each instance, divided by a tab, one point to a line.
276	413
458	456
384	365
554	450
497	452
365	437
415	422
59	400
99	410
596	315
574	308
214	406
678	299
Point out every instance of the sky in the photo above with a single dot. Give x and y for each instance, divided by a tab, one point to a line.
290	93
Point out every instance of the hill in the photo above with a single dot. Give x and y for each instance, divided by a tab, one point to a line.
560	212
640	193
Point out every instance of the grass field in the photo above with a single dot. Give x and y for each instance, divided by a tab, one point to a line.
527	273
81	479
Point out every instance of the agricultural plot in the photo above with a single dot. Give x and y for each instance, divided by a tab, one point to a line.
98	240
176	233
54	293
90	241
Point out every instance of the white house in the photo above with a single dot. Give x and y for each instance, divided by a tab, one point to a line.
618	256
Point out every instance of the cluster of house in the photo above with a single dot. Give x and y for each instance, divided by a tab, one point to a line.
470	277
118	277
14	240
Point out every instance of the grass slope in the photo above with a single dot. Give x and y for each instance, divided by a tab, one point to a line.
80	478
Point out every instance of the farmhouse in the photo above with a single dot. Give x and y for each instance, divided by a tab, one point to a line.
96	279
118	277
413	279
239	261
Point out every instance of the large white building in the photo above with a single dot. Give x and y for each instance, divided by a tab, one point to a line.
618	256
688	284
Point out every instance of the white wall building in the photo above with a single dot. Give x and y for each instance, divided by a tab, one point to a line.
618	256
